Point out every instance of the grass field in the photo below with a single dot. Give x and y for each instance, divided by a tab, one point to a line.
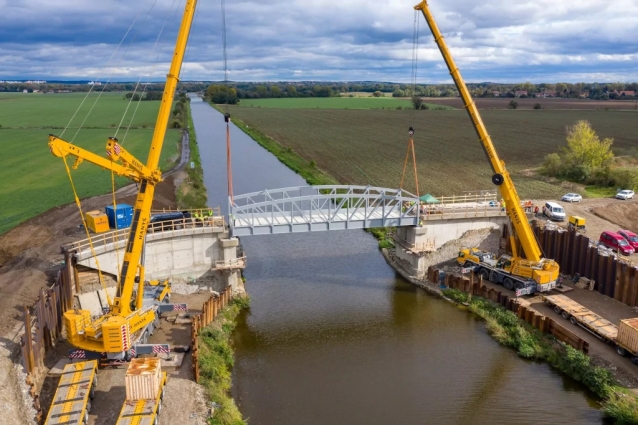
368	147
333	103
33	180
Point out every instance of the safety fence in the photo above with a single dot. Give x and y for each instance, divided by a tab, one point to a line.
43	327
577	254
535	319
210	311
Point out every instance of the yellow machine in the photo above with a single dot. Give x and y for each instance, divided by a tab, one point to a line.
514	272
577	222
114	332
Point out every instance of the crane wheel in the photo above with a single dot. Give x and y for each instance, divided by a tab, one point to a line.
557	309
634	360
621	351
485	275
498	179
565	315
573	320
508	283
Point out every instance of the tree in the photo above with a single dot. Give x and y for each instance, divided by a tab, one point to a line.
417	102
377	94
398	93
584	148
512	105
219	94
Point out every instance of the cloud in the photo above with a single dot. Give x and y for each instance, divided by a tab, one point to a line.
494	40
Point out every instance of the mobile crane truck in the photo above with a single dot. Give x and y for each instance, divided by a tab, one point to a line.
525	275
121	334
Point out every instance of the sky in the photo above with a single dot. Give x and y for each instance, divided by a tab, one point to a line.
505	41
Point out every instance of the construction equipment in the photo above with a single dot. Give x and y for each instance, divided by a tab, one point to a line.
624	337
529	275
145	383
72	400
134	313
577	223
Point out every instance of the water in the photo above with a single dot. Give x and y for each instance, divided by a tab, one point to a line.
333	336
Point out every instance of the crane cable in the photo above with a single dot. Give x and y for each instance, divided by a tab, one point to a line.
229	164
415	49
86	229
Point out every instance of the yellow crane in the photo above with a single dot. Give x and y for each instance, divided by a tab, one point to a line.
115	332
534	273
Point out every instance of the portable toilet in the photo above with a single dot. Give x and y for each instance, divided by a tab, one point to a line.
120	217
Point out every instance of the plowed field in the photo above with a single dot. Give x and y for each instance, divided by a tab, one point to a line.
368	146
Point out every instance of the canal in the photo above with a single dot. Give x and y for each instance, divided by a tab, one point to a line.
334	336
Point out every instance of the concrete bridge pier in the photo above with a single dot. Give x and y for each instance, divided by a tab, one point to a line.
232	276
418	247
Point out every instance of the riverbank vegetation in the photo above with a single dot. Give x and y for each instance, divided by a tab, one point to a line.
191	193
216	360
530	343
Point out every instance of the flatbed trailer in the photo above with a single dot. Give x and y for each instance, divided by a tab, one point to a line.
143	412
593	323
72	400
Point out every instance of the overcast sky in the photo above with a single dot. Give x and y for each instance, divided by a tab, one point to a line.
345	40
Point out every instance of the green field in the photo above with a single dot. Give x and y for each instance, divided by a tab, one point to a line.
33	180
333	103
368	147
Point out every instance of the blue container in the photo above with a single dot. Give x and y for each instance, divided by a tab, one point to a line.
121	217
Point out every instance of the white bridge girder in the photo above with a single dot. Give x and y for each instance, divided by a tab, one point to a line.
320	208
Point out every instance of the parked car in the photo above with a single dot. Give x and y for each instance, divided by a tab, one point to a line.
631	237
554	211
616	242
625	194
572	197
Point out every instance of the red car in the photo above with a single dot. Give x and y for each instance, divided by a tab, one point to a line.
616	242
631	237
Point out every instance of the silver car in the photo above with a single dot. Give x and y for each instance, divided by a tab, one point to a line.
572	197
625	194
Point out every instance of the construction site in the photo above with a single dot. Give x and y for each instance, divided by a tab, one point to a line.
108	304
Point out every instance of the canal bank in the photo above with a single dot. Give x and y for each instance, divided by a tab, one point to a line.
334	335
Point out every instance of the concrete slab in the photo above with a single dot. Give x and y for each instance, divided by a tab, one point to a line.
91	301
176	359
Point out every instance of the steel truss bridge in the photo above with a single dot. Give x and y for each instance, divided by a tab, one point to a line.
319	208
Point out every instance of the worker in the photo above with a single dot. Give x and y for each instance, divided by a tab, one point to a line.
535	210
502	204
199	218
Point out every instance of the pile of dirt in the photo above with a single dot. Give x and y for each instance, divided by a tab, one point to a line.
624	215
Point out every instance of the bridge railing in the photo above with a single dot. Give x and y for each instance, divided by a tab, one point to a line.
192	225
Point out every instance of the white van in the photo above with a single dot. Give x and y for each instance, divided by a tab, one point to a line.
554	211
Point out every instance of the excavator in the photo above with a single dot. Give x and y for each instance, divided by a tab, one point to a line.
525	275
134	312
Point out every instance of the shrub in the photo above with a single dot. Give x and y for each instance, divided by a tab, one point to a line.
512	105
424	106
537	106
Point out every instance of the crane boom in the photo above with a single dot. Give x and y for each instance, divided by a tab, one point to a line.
501	177
112	333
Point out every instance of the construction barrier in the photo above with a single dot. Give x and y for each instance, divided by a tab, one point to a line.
535	319
210	310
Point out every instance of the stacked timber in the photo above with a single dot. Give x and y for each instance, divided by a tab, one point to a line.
143	379
628	334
